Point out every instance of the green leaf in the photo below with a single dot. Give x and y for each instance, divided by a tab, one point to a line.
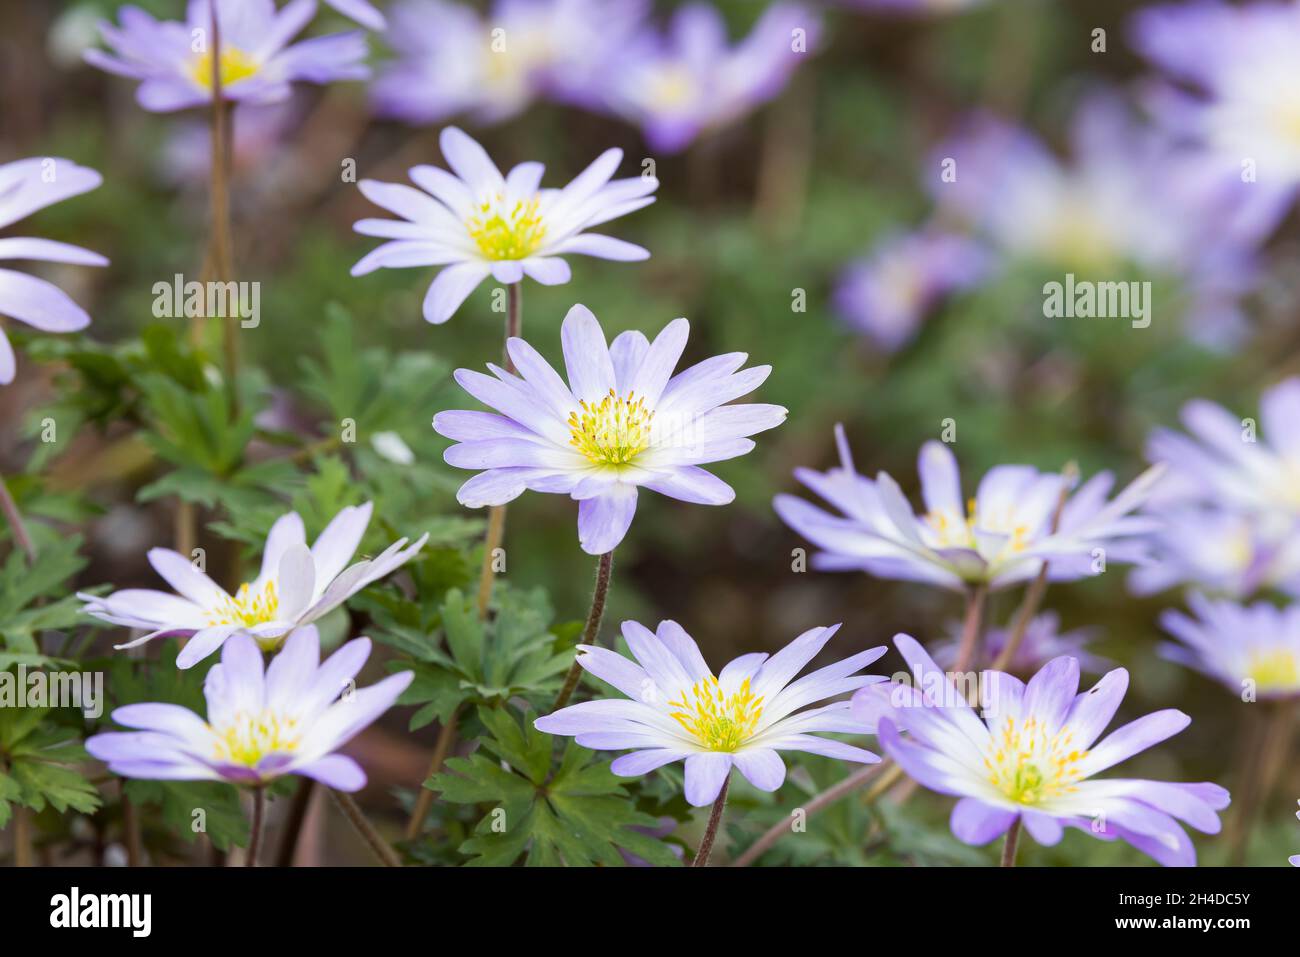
37	764
222	817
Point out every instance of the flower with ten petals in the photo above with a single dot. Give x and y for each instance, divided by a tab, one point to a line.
1033	755
743	716
622	422
1245	647
296	586
287	718
479	223
173	61
999	538
26	186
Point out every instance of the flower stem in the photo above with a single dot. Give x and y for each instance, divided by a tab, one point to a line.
293	824
221	256
131	827
711	832
387	856
1269	756
968	650
22	837
497	514
16	524
1009	844
446	737
591	633
259	817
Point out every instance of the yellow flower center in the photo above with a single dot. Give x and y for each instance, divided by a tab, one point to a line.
719	721
1030	766
957	531
1275	670
671	87
247	607
251	737
236	65
613	431
502	231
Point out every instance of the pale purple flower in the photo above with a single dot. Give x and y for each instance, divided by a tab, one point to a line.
676	708
1248	648
1002	537
478	223
1241	65
296	586
173	60
678	85
1125	198
361	11
450	60
622	422
26	186
1034	754
919	8
1042	641
263	722
888	294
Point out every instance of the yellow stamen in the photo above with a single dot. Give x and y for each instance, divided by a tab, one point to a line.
504	231
251	737
613	431
247	607
236	65
1277	669
720	722
1030	766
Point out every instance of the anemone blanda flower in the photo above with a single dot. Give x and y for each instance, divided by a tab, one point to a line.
1222	50
678	85
26	186
479	223
887	294
287	718
173	61
1001	537
622	422
676	708
451	60
1042	641
1034	755
1252	649
296	586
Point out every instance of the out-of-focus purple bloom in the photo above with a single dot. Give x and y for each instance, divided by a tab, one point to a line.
622	422
1033	755
1242	63
679	84
296	586
258	130
888	294
1001	538
450	60
287	718
1248	648
741	718
173	60
921	8
1127	197
361	11
26	186
479	223
1042	641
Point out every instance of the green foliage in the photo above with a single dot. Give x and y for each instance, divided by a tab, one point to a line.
577	814
223	819
33	600
37	765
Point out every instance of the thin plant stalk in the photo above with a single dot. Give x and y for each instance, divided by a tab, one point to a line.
424	801
1269	756
16	524
1010	843
131	828
387	856
220	251
711	831
257	825
23	856
294	822
590	633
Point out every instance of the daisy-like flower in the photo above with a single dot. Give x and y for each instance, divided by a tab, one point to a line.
1034	754
888	294
676	708
479	223
26	186
999	538
287	718
690	80
1042	641
622	422
173	60
296	586
1222	50
1248	648
451	60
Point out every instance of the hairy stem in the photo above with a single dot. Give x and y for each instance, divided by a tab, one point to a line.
711	831
446	737
591	633
387	856
1010	843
